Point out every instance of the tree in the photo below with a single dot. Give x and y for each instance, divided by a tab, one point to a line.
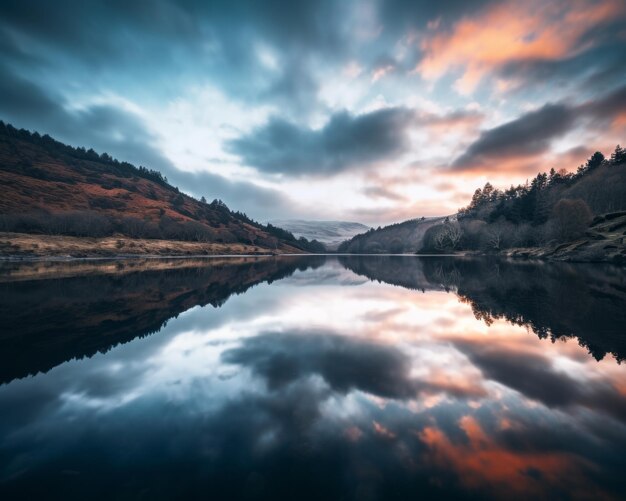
595	161
203	200
618	156
570	218
178	201
454	235
494	237
447	236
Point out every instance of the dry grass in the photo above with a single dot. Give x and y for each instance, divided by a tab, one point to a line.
28	245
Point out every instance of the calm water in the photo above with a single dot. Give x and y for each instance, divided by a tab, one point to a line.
312	378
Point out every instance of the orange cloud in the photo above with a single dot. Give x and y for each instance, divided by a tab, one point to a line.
482	463
513	31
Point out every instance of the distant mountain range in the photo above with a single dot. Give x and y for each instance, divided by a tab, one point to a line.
329	233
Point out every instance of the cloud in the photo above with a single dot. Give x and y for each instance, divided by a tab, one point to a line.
534	376
344	363
124	135
523	139
382	192
529	134
513	31
345	142
609	107
407	14
21	98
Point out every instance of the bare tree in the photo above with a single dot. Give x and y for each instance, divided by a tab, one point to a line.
455	233
448	236
439	239
494	237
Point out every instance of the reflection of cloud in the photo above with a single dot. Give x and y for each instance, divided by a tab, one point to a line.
482	463
534	376
195	420
344	363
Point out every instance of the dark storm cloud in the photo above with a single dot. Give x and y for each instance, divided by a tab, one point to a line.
258	202
345	142
533	132
21	98
595	69
187	39
102	127
529	134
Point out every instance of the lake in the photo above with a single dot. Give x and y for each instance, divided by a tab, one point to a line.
312	377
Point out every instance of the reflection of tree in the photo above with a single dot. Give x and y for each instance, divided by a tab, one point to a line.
554	300
81	312
449	278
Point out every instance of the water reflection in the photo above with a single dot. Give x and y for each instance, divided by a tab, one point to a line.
325	381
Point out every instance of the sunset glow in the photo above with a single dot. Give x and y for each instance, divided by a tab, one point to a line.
245	104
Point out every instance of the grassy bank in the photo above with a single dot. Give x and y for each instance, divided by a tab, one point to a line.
22	245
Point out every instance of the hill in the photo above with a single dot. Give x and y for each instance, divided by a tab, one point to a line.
329	233
558	215
399	238
53	189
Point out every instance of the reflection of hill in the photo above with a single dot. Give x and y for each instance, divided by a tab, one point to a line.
555	300
405	237
405	271
44	322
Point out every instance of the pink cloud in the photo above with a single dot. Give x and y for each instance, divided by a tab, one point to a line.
513	31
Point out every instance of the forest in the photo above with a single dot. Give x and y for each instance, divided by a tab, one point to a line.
554	207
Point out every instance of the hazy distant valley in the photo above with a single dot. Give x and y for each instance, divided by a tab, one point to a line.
329	233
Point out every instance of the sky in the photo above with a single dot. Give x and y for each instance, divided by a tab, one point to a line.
371	111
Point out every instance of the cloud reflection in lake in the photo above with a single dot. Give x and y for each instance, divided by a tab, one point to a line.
354	379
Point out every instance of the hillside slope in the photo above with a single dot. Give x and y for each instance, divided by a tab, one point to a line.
329	233
604	240
53	189
406	237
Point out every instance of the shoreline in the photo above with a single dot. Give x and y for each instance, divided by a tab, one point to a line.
27	246
21	247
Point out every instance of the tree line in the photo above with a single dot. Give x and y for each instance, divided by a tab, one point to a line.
54	147
557	206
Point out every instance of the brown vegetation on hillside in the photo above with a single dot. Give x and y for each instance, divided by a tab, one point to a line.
52	189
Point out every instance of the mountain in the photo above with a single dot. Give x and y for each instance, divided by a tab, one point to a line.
329	233
53	189
399	238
